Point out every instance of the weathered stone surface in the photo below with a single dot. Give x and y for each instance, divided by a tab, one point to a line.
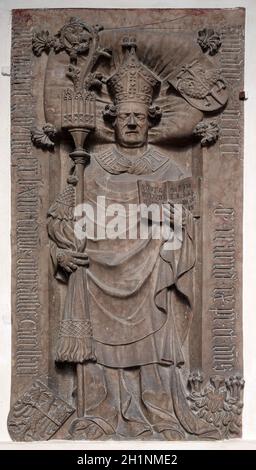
118	334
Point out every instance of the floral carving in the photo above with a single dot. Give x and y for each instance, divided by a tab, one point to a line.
207	131
94	81
209	40
73	74
44	138
75	38
219	402
42	42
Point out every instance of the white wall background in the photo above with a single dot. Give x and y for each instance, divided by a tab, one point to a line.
249	223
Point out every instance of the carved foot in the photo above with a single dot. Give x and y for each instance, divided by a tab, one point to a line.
89	429
171	435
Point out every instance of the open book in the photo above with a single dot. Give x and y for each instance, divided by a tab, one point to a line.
183	192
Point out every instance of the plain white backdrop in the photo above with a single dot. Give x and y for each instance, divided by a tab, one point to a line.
249	222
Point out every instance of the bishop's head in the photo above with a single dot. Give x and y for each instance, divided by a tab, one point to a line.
132	88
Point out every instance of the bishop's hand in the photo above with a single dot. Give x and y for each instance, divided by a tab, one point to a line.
71	260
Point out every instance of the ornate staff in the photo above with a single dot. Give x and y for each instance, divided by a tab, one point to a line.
78	114
79	118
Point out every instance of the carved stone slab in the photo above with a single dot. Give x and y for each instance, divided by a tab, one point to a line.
136	337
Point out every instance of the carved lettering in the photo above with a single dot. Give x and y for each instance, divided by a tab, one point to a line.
27	174
223	314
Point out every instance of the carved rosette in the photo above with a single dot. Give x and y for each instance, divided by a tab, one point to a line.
42	42
74	38
207	132
44	137
209	40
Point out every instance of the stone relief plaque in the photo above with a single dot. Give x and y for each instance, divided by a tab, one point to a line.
127	170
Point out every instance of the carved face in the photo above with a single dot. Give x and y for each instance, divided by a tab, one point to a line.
131	124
